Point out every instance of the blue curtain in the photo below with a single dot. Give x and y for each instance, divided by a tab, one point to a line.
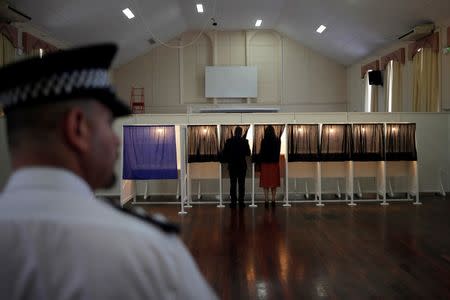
149	152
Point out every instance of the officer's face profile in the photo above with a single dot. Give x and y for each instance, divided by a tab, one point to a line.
102	147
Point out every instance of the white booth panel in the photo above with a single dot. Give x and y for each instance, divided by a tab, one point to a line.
204	170
424	117
158	186
404	170
215	118
272	118
302	169
400	168
162	119
373	117
320	117
366	168
127	191
334	168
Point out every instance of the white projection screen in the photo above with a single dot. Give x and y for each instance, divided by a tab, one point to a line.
231	82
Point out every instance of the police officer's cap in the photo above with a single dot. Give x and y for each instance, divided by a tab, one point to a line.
80	73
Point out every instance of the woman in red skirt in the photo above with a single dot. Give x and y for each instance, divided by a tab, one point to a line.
270	167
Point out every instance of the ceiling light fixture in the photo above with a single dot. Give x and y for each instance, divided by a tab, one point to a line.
321	28
127	12
258	23
200	8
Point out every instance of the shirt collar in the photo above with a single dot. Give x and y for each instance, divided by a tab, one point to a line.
48	178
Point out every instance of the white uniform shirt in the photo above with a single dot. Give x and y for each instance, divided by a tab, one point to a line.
59	242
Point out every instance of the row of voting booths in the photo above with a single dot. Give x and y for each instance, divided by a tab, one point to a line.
337	156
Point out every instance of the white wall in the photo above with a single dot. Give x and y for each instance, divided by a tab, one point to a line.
156	71
194	60
311	82
290	75
432	147
355	84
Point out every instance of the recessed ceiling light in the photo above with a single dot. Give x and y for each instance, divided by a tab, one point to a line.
127	12
258	23
321	28
200	8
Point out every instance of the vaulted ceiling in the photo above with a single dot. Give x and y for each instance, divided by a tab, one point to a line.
355	28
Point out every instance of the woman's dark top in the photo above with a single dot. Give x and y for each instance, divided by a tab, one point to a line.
270	150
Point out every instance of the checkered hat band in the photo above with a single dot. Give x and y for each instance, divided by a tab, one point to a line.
57	84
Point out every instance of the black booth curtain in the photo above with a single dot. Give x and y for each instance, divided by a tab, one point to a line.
227	131
203	143
336	142
258	135
368	142
303	142
401	142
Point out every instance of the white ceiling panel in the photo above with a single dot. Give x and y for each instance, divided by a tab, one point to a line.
355	28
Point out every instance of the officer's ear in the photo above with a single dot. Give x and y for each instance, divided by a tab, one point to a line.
76	129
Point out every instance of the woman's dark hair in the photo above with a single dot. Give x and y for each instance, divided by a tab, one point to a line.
238	131
269	133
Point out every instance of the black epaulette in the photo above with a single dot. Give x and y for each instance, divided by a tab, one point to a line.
140	213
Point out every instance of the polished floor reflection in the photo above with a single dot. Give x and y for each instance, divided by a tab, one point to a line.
306	252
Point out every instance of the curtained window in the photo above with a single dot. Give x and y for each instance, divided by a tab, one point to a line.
392	64
401	142
149	152
371	95
336	142
425	81
7	51
203	143
368	142
303	142
34	46
370	91
393	87
7	55
258	135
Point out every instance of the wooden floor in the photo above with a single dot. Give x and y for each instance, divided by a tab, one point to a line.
305	252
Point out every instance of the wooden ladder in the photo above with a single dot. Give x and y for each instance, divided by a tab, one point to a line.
137	100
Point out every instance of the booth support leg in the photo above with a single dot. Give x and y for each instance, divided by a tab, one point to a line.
319	184
253	187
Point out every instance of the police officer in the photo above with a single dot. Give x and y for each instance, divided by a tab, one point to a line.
58	240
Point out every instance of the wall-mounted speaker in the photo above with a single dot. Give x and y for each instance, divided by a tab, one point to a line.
375	78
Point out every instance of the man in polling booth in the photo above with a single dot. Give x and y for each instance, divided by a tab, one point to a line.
58	240
235	151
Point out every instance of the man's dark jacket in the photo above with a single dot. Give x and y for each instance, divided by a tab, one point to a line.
235	151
